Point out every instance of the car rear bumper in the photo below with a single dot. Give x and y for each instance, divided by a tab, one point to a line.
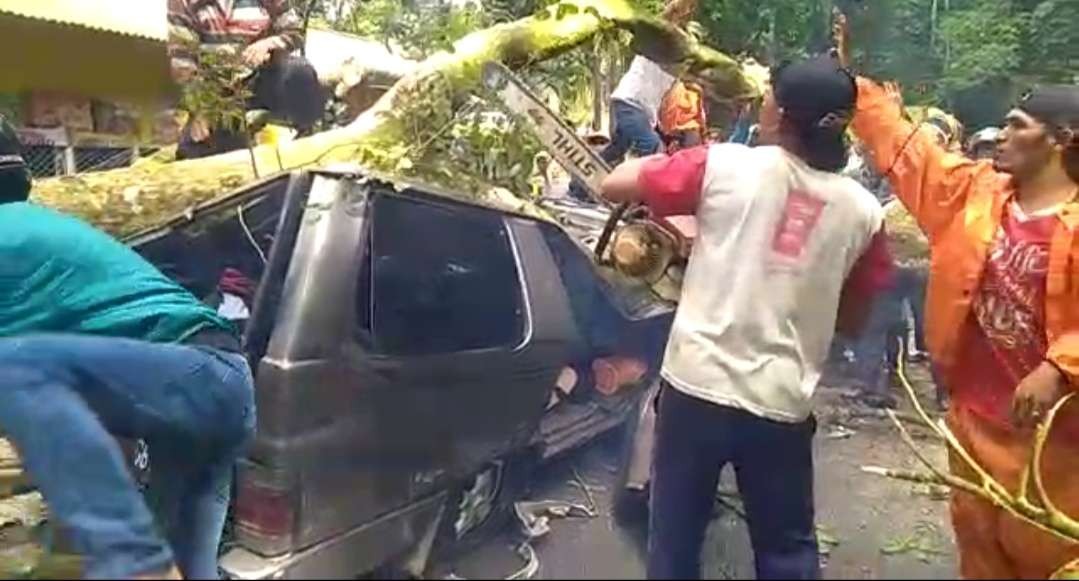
406	532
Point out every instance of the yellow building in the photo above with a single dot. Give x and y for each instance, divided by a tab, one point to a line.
73	72
97	48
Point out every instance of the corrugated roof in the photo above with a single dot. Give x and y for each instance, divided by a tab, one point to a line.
140	18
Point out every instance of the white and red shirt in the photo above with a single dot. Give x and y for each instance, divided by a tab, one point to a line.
778	243
1008	339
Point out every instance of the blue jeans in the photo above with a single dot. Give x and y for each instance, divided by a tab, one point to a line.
773	462
64	397
632	131
878	348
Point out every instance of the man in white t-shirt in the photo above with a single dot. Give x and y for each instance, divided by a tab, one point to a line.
634	110
636	100
788	251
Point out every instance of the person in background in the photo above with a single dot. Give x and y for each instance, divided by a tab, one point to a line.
743	124
265	33
682	120
15	178
635	104
983	144
1002	325
95	343
786	237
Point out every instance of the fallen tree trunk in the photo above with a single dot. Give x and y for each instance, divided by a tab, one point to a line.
133	199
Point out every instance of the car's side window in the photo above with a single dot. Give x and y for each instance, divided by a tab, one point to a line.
442	279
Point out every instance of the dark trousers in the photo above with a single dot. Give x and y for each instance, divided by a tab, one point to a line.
288	87
773	462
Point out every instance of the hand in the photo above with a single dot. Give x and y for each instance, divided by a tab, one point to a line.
841	37
1036	394
200	130
260	51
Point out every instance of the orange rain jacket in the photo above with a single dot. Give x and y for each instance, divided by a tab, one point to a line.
682	109
959	203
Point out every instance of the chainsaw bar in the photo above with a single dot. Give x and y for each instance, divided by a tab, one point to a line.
558	138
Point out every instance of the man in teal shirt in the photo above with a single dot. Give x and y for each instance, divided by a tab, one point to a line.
95	342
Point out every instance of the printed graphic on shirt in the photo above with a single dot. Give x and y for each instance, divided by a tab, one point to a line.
800	217
1010	304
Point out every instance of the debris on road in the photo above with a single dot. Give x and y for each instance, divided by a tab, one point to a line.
535	516
923	543
839	432
587	489
826	541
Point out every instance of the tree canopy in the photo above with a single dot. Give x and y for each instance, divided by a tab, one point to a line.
970	56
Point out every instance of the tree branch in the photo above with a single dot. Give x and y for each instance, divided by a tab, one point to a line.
130	200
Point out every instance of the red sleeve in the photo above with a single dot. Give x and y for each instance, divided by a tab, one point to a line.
872	274
671	184
874	270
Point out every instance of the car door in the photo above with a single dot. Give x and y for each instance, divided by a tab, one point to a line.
463	324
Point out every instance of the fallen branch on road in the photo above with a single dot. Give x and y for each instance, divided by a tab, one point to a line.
1038	511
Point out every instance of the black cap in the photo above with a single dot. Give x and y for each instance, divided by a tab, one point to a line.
1056	106
808	91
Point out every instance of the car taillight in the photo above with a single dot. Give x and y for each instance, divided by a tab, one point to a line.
613	373
265	513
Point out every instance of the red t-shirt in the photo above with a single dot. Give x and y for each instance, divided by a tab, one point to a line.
1005	334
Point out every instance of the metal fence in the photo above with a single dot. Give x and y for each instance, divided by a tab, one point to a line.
49	160
53	152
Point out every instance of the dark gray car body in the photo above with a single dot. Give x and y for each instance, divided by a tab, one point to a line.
402	343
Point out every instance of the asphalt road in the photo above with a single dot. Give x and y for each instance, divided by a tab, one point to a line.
873	528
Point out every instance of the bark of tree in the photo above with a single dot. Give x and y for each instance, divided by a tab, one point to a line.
130	200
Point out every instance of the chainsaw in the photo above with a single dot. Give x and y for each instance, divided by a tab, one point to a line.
633	242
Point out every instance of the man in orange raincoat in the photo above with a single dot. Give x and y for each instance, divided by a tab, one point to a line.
681	116
1003	304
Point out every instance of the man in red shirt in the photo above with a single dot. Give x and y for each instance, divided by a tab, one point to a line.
265	32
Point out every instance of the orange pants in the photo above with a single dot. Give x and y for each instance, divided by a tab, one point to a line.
992	543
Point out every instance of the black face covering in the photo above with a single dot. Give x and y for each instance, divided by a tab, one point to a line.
14	175
1058	107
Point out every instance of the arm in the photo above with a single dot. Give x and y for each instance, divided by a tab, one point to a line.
287	25
931	182
871	275
668	185
1057	376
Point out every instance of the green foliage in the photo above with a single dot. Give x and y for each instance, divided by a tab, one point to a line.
508	10
218	91
968	56
983	43
464	146
769	30
1052	40
418	30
